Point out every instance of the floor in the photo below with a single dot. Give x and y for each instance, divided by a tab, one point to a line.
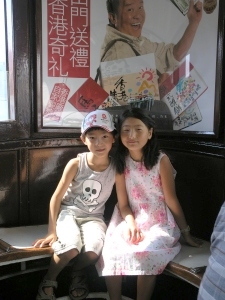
25	287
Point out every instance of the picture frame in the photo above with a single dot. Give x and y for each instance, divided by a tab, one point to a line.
205	58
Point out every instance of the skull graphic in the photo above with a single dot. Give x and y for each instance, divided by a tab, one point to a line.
91	191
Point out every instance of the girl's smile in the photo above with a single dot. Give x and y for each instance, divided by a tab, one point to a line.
135	134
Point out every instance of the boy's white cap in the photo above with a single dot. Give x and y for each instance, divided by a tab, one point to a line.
98	118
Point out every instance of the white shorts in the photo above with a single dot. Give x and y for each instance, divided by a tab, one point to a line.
83	234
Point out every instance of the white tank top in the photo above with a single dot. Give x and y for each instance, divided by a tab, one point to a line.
89	190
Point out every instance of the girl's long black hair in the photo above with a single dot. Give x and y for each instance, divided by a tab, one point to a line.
150	150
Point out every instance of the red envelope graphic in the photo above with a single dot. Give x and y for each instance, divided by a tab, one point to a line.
56	102
89	96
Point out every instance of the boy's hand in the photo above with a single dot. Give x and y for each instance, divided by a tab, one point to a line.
191	240
45	242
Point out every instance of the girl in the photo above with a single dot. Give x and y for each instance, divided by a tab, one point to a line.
157	214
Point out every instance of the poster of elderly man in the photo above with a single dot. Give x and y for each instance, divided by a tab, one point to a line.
159	55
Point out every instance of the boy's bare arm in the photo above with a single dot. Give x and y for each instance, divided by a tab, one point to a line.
68	174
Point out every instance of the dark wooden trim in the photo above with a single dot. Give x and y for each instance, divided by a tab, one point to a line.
20	128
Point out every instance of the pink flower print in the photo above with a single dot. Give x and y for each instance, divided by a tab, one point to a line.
161	198
160	216
144	206
91	120
156	181
160	270
126	172
141	169
141	255
137	192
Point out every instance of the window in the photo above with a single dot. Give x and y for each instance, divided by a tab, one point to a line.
6	62
16	70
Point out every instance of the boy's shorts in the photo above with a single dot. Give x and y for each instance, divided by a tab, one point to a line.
83	234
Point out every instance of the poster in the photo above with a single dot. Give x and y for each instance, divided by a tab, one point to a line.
72	36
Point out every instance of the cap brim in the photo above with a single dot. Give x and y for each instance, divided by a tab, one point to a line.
98	127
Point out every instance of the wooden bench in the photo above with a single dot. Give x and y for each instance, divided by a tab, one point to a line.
190	263
16	247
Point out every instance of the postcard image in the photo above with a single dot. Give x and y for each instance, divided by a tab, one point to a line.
189	117
183	87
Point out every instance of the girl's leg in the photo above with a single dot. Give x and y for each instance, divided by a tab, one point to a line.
145	286
114	285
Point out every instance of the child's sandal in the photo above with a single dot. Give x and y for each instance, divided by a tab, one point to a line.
79	282
41	294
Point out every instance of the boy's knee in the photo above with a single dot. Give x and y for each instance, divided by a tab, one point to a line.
92	257
71	254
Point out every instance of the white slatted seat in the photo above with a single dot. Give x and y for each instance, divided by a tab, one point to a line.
16	247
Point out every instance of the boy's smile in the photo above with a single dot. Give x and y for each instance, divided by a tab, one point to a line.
98	141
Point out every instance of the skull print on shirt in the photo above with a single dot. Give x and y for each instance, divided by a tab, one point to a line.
91	191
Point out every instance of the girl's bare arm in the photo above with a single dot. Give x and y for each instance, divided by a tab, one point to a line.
168	185
135	234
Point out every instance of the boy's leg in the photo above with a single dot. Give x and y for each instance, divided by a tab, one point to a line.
84	260
145	286
79	277
114	285
93	236
65	248
57	264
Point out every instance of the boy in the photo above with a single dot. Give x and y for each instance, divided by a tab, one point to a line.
76	223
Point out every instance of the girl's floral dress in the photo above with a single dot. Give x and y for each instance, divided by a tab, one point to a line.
153	217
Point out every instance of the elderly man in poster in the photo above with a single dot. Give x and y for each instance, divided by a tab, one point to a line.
126	20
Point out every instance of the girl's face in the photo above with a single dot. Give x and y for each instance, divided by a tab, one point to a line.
130	17
135	134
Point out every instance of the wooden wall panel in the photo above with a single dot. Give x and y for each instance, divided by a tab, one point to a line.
28	178
9	188
200	189
45	169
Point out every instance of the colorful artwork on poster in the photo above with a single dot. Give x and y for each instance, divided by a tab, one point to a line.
189	117
182	88
130	79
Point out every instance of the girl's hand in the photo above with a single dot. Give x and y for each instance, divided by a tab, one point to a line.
133	235
45	242
191	240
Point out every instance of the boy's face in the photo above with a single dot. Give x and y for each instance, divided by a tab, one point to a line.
98	141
